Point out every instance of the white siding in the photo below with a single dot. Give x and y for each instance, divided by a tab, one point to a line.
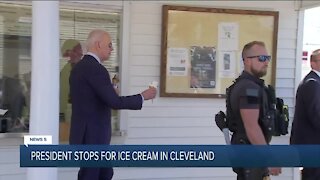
177	120
191	121
10	159
145	46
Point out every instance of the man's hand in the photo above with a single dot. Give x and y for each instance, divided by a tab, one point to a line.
116	89
149	93
274	171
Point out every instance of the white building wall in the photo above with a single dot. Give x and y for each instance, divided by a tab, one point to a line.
191	120
177	120
309	4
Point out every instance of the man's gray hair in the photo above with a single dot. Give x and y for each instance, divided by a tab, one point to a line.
94	36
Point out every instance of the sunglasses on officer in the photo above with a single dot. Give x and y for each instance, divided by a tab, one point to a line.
261	58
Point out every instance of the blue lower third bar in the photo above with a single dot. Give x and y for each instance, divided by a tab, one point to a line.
169	156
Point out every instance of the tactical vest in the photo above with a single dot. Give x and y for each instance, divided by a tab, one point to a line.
273	117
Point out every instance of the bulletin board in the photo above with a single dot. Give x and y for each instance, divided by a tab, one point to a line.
201	48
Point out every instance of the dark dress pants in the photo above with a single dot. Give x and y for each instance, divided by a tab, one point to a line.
95	174
311	174
251	173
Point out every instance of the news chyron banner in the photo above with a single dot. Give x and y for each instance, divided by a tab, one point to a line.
38	151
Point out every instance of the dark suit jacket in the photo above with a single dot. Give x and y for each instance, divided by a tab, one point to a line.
93	97
306	123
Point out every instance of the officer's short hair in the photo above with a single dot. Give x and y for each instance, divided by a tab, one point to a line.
248	46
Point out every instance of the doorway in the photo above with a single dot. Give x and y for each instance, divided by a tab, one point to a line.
311	38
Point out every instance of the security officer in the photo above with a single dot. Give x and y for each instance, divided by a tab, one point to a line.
247	104
306	121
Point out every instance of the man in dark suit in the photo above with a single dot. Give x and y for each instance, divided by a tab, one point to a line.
93	97
306	122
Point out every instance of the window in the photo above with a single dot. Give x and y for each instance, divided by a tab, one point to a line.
15	59
75	24
15	67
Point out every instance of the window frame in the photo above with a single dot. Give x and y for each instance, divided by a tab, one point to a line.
122	8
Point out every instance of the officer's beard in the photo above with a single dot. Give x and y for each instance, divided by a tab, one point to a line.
260	73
